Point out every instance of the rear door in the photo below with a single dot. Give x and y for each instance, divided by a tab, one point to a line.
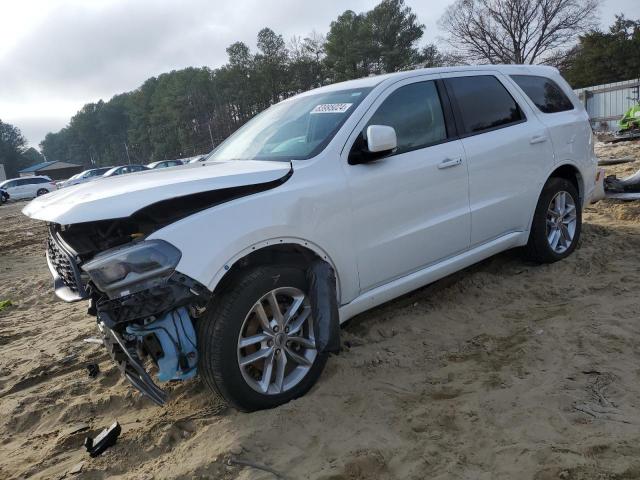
568	125
411	208
25	188
31	186
508	152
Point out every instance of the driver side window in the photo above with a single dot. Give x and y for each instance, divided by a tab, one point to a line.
415	112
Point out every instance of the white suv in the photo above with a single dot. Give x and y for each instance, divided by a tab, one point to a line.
325	205
28	187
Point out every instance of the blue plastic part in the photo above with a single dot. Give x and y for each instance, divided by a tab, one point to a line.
177	338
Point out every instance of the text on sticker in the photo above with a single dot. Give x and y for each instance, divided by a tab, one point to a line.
331	108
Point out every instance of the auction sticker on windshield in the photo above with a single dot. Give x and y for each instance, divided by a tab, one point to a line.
331	108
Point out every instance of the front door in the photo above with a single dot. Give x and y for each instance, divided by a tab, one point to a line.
19	189
411	208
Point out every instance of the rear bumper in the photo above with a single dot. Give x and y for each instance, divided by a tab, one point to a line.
597	189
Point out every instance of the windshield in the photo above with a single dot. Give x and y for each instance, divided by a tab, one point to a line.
293	129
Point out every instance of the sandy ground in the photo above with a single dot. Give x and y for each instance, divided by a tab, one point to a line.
506	370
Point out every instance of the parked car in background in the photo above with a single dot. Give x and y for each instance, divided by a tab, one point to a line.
28	187
164	164
124	169
319	208
198	158
61	183
85	176
4	196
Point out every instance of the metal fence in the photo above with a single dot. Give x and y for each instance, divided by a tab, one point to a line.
607	103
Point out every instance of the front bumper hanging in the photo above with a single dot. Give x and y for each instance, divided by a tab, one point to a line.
129	364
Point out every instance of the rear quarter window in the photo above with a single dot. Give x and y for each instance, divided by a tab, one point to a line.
483	104
544	93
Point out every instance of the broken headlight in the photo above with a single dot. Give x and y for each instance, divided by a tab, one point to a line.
116	272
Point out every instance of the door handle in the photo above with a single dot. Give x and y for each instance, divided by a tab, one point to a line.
450	162
538	139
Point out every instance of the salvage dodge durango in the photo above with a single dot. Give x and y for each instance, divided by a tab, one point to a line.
241	268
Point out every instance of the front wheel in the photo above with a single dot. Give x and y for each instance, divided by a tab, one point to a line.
257	345
557	222
42	191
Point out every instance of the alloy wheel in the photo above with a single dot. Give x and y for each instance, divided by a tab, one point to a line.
276	345
561	222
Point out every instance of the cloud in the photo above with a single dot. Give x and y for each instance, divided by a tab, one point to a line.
60	54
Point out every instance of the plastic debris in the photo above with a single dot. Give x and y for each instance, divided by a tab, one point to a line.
93	369
77	468
107	438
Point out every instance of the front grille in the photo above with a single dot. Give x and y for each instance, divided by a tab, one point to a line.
63	263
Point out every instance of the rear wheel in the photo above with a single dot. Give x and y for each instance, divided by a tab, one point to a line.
257	345
42	191
557	222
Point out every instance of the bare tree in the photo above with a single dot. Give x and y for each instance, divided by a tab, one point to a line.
517	31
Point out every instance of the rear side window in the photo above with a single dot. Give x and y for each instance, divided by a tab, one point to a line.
483	103
544	93
414	111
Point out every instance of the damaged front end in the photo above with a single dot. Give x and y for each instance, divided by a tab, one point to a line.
144	307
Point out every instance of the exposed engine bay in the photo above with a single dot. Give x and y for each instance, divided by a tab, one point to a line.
127	268
143	307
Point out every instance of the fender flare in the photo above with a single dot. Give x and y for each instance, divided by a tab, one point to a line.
581	189
315	248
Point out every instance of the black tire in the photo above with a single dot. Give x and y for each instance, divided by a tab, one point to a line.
538	248
218	333
42	191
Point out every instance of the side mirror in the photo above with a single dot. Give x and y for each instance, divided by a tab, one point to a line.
380	141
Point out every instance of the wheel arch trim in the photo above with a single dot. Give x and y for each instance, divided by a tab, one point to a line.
556	168
271	242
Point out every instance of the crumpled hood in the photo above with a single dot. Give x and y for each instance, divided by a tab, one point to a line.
122	195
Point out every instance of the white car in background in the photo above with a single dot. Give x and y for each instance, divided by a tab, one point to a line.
85	176
124	170
28	187
319	208
164	164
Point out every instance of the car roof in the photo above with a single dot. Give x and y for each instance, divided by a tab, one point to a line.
2	182
375	80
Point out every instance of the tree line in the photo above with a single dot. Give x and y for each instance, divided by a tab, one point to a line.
605	57
187	112
14	154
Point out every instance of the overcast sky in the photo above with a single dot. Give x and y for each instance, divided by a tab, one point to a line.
57	55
